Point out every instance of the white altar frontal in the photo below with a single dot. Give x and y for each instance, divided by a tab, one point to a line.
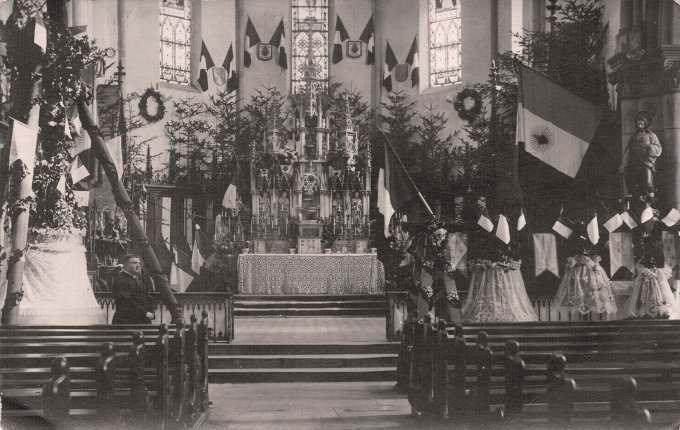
332	274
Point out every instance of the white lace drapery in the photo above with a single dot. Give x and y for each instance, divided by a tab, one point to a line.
585	287
497	294
651	295
57	290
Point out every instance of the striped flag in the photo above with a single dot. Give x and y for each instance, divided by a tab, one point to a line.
613	223
340	36
390	62
230	67
368	37
522	220
672	218
555	125
562	228
503	229
412	60
231	199
279	40
251	41
394	190
206	64
484	220
40	33
629	220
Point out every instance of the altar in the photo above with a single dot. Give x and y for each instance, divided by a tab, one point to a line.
270	274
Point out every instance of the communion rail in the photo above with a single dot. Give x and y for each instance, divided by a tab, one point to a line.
219	306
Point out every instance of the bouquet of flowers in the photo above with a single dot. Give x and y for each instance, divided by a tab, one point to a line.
454	299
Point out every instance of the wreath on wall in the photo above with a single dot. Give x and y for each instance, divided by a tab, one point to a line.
143	107
468	114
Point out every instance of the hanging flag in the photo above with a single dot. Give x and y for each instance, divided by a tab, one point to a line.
669	254
279	40
228	65
394	189
40	33
484	220
562	228
621	252
555	125
613	223
672	218
412	60
503	229
368	37
390	62
340	36
231	197
78	171
251	41
61	185
522	220
24	141
206	64
545	254
197	260
593	229
116	151
629	220
181	274
647	219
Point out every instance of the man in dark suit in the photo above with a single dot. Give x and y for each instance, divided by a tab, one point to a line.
133	303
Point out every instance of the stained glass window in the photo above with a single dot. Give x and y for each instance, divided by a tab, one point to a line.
444	39
175	23
310	44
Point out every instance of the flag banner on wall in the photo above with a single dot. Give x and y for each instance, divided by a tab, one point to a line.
545	254
250	44
390	62
555	125
279	40
206	64
230	67
24	141
368	37
670	258
341	36
456	251
621	252
412	60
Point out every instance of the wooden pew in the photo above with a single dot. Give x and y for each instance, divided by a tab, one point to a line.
598	353
137	373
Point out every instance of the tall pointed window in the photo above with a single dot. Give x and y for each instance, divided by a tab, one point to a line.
444	42
175	56
310	44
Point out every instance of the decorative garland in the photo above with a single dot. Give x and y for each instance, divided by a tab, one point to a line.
143	108
468	114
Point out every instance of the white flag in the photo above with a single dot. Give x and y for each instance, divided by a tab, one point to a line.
593	230
116	151
545	254
197	259
521	221
562	229
621	251
61	185
503	229
630	222
40	34
647	214
672	218
78	171
24	141
613	223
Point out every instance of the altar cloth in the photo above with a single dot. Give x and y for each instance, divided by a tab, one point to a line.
269	274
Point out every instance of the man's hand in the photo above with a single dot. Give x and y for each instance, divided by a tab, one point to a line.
151	315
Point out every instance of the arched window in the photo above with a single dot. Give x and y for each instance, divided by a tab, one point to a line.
444	21
310	43
175	56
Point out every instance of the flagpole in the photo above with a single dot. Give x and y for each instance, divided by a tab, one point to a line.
413	184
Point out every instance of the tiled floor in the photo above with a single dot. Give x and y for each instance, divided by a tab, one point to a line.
308	330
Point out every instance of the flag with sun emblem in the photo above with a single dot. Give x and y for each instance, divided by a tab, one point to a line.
555	125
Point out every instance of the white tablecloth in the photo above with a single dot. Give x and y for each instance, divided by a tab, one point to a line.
310	274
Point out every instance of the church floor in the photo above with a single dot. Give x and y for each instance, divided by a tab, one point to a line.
308	330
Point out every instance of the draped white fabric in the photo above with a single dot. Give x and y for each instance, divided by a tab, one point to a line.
497	293
651	294
56	288
585	287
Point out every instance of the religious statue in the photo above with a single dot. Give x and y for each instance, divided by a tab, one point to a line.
639	159
284	205
357	209
265	206
116	230
338	206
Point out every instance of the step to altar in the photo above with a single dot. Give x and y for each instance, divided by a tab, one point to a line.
308	362
370	305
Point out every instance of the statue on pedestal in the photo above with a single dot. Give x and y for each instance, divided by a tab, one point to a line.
338	206
265	207
357	209
284	205
639	160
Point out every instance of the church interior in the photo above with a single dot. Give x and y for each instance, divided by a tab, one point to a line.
339	214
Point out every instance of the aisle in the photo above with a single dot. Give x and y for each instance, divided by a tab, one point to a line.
308	330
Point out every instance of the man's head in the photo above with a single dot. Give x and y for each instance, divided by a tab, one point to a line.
132	264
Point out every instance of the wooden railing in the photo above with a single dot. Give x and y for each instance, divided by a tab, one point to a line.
219	306
397	308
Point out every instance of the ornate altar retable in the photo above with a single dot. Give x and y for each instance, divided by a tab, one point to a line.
268	274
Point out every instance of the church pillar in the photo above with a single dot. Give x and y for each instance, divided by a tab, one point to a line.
646	68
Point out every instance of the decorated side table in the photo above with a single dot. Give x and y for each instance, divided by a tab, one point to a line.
270	274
